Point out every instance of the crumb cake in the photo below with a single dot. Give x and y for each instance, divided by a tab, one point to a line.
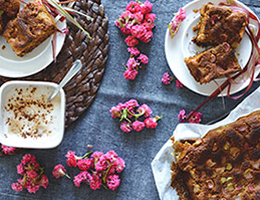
10	7
223	165
213	63
30	28
220	24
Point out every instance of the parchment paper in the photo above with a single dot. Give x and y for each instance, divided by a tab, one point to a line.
161	165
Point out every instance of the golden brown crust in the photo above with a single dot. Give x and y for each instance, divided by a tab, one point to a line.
213	63
32	26
224	164
220	24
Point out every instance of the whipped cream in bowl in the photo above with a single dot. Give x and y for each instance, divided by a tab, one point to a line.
27	118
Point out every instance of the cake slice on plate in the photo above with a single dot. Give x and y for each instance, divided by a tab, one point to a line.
213	63
31	27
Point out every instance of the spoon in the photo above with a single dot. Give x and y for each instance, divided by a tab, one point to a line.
73	70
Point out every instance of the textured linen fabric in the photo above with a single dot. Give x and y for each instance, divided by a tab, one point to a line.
96	126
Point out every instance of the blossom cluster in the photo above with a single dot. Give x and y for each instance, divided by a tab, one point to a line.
195	118
167	79
7	150
97	169
33	176
175	24
132	113
137	22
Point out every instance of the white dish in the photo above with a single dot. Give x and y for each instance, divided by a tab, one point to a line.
14	66
180	46
47	119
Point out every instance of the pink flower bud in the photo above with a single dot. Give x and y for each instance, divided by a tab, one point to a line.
150	123
138	126
126	127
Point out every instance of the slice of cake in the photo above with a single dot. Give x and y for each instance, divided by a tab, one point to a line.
224	164
220	24
32	26
213	63
10	7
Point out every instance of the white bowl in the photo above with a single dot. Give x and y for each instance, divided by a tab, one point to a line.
49	135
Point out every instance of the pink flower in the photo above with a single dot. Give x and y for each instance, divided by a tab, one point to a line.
117	24
82	176
179	84
132	64
113	181
58	171
130	74
182	116
132	103
125	30
120	165
131	41
20	169
126	15
145	109
138	17
28	158
32	174
138	31
126	127
148	26
195	118
102	164
133	7
147	37
181	15
33	188
84	164
95	182
150	123
146	7
44	182
143	58
111	156
97	155
138	126
166	79
17	187
115	112
7	149
150	17
71	159
133	51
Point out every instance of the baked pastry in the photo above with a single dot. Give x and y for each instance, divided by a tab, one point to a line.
224	164
10	7
32	26
213	63
220	24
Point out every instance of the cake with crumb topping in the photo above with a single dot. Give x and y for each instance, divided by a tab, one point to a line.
223	165
31	27
10	7
220	24
213	63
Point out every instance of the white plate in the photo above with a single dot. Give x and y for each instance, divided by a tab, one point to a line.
180	46
14	66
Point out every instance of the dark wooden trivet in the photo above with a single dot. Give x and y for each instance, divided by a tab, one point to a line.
82	89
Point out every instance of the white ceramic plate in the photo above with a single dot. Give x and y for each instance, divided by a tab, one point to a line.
180	46
14	66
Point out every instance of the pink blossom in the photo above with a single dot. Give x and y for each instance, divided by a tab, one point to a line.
181	15
58	171
28	158
7	149
148	26
179	84
85	164
138	31
44	182
195	118
125	30
32	174
166	79
147	37
131	104
102	164
175	24
117	24
82	176
97	155
138	126
17	187
126	15
120	165
132	64
130	74
111	156
71	159
138	17
20	169
143	58
133	51
115	112
131	41
113	181
150	123
145	109
126	127
150	17
146	7
33	188
133	7
95	182
182	116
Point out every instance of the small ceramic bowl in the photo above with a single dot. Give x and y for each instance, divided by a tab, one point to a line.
27	119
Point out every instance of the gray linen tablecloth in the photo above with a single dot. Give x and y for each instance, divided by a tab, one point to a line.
96	126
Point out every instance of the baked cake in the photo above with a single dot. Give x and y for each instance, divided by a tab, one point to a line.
223	165
32	26
220	24
213	63
10	7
